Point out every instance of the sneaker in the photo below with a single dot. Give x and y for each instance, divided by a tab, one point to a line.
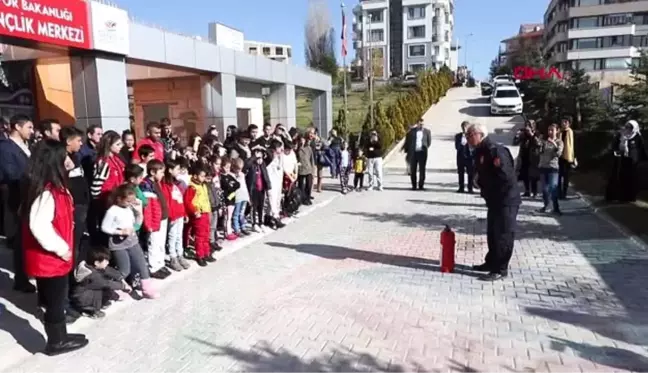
201	262
174	264
280	224
344	191
245	232
210	259
96	314
257	229
160	274
106	305
166	271
231	237
557	212
542	210
184	263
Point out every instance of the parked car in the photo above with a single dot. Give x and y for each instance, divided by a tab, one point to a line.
506	99
486	88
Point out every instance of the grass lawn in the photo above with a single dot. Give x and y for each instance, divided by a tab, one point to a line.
632	216
358	103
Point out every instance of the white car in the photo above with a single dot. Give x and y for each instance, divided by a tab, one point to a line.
506	100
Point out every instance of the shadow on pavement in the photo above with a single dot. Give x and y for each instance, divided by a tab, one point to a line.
340	253
264	358
19	328
609	356
476	111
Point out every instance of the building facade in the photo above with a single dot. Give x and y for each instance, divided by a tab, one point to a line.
276	52
110	71
603	37
396	37
529	35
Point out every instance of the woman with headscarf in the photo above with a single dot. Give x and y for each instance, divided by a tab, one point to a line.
628	149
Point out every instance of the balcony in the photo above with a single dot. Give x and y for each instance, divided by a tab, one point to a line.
601	31
592	54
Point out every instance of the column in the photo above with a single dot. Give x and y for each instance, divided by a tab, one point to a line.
100	92
219	101
323	112
283	108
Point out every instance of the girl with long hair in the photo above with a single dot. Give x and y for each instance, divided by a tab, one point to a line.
108	175
48	240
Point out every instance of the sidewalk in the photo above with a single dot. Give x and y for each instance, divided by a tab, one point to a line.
21	333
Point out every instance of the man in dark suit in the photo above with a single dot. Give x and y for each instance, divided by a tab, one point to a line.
464	160
417	142
499	187
15	153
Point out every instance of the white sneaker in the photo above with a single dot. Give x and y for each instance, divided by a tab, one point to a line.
380	189
257	229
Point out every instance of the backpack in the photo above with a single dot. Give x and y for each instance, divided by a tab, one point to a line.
292	200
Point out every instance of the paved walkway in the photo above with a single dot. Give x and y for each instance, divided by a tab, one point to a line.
355	286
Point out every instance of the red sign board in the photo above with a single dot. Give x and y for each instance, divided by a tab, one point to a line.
59	22
528	72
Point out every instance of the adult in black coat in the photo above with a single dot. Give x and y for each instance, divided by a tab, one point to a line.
14	153
628	150
417	142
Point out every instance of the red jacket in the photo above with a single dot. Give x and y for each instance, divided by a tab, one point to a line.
157	146
40	262
153	209
174	197
109	174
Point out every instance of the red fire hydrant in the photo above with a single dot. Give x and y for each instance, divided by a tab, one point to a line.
447	250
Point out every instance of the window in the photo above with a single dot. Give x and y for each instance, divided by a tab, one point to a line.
617	63
447	36
416	32
416	67
376	35
375	16
446	17
437	12
266	51
588	65
436	50
415	12
506	93
447	53
253	50
640	19
616	19
590	43
279	51
417	50
617	41
585	22
289	52
636	62
640	41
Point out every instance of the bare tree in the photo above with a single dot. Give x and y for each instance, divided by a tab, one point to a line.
319	38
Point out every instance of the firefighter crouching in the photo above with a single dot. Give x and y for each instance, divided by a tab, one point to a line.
495	169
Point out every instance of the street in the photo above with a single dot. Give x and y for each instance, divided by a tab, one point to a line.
355	286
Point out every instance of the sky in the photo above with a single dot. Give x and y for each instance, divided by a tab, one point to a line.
282	21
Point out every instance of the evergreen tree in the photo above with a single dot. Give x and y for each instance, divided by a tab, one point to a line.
383	126
340	122
396	118
581	100
632	101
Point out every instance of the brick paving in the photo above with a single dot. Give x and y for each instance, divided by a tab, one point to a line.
355	286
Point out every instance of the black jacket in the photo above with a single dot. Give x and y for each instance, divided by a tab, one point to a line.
373	149
496	176
229	185
78	183
13	164
250	177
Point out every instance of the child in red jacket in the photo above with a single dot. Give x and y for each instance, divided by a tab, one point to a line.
156	215
174	197
199	211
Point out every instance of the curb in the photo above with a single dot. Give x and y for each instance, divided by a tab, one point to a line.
17	355
608	219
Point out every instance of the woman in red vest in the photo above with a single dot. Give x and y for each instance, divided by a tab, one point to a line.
108	175
48	241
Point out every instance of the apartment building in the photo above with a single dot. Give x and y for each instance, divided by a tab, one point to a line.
604	37
529	34
396	37
277	52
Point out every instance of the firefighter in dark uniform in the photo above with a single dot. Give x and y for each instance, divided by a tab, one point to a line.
495	169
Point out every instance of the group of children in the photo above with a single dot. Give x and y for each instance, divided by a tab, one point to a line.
165	212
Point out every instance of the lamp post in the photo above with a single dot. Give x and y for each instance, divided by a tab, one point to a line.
466	50
370	79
